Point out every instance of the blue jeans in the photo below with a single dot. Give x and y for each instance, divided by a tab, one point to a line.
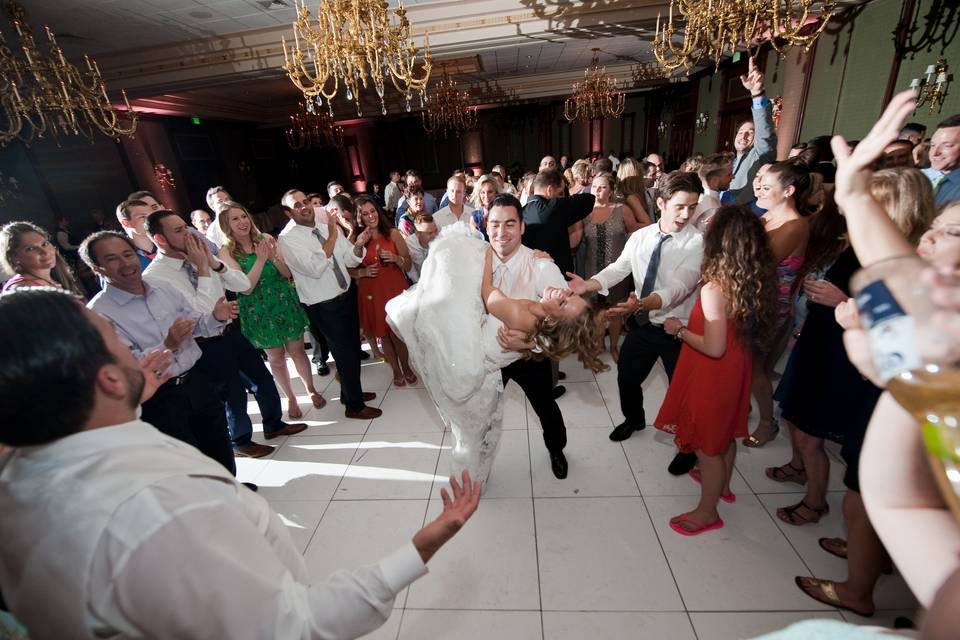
235	366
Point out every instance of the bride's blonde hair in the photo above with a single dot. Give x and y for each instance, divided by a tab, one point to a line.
558	338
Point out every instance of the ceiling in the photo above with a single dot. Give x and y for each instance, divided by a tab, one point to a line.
222	58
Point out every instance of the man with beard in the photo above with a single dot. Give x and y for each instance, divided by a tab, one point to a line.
229	360
148	318
123	531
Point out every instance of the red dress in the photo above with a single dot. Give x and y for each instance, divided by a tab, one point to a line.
708	399
373	293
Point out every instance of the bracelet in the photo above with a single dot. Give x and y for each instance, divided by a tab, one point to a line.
221	268
679	334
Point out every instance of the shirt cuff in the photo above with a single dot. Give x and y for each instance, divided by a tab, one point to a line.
402	567
761	102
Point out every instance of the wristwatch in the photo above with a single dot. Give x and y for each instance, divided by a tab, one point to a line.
679	334
221	268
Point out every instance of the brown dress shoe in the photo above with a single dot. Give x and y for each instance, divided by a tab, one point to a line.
287	430
367	396
367	413
252	450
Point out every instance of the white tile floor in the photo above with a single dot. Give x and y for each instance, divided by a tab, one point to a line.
589	557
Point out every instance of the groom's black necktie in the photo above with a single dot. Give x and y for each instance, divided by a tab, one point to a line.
650	278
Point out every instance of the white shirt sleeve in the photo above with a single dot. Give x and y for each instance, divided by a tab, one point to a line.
210	573
233	279
350	259
547	274
304	254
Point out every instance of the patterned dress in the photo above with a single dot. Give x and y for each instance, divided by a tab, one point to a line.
604	244
270	315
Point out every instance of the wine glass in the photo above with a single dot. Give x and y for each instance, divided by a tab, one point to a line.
916	361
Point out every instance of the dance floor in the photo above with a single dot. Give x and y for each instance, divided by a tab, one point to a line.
591	556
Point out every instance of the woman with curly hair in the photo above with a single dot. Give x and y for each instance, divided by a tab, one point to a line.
27	252
708	399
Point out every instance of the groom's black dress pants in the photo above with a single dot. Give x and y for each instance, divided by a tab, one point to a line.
536	379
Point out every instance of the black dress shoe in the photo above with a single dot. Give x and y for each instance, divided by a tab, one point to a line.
558	391
559	465
364	355
561	375
682	463
624	430
323	369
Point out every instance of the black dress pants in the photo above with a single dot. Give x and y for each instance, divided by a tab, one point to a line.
189	410
337	319
535	377
642	347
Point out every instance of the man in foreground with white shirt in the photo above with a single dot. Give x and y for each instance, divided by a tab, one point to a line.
112	529
664	259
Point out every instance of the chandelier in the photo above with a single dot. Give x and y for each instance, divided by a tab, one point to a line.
932	88
645	72
448	109
715	27
312	128
596	97
43	94
355	43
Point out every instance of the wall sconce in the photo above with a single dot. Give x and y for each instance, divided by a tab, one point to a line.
164	176
700	124
932	88
662	129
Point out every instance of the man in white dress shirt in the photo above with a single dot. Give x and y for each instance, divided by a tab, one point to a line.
664	259
112	529
456	209
216	197
392	192
318	257
715	174
418	243
229	360
519	275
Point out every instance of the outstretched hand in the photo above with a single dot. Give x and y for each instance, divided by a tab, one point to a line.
854	167
455	514
626	308
576	284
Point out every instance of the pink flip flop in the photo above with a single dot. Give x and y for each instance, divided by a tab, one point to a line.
700	528
694	474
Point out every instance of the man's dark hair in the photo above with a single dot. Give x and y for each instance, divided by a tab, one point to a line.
510	200
140	195
288	193
412	173
333	183
548	178
123	209
678	181
343	201
86	249
51	356
311	196
952	121
915	127
155	221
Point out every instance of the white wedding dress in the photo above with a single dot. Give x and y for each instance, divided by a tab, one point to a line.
453	346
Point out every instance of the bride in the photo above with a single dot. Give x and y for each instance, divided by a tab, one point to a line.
449	322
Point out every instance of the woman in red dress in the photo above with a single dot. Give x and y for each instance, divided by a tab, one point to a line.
380	277
708	399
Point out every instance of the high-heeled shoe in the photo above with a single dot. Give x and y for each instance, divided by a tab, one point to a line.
754	442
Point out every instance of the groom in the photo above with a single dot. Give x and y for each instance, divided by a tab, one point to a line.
518	275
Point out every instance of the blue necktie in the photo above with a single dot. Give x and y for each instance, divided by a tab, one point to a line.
650	278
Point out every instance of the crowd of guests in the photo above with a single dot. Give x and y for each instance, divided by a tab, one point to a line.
715	270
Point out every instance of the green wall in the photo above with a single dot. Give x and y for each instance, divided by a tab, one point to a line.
851	70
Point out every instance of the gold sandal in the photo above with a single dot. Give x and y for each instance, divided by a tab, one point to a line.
825	591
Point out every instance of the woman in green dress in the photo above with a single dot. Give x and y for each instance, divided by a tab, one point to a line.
270	313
